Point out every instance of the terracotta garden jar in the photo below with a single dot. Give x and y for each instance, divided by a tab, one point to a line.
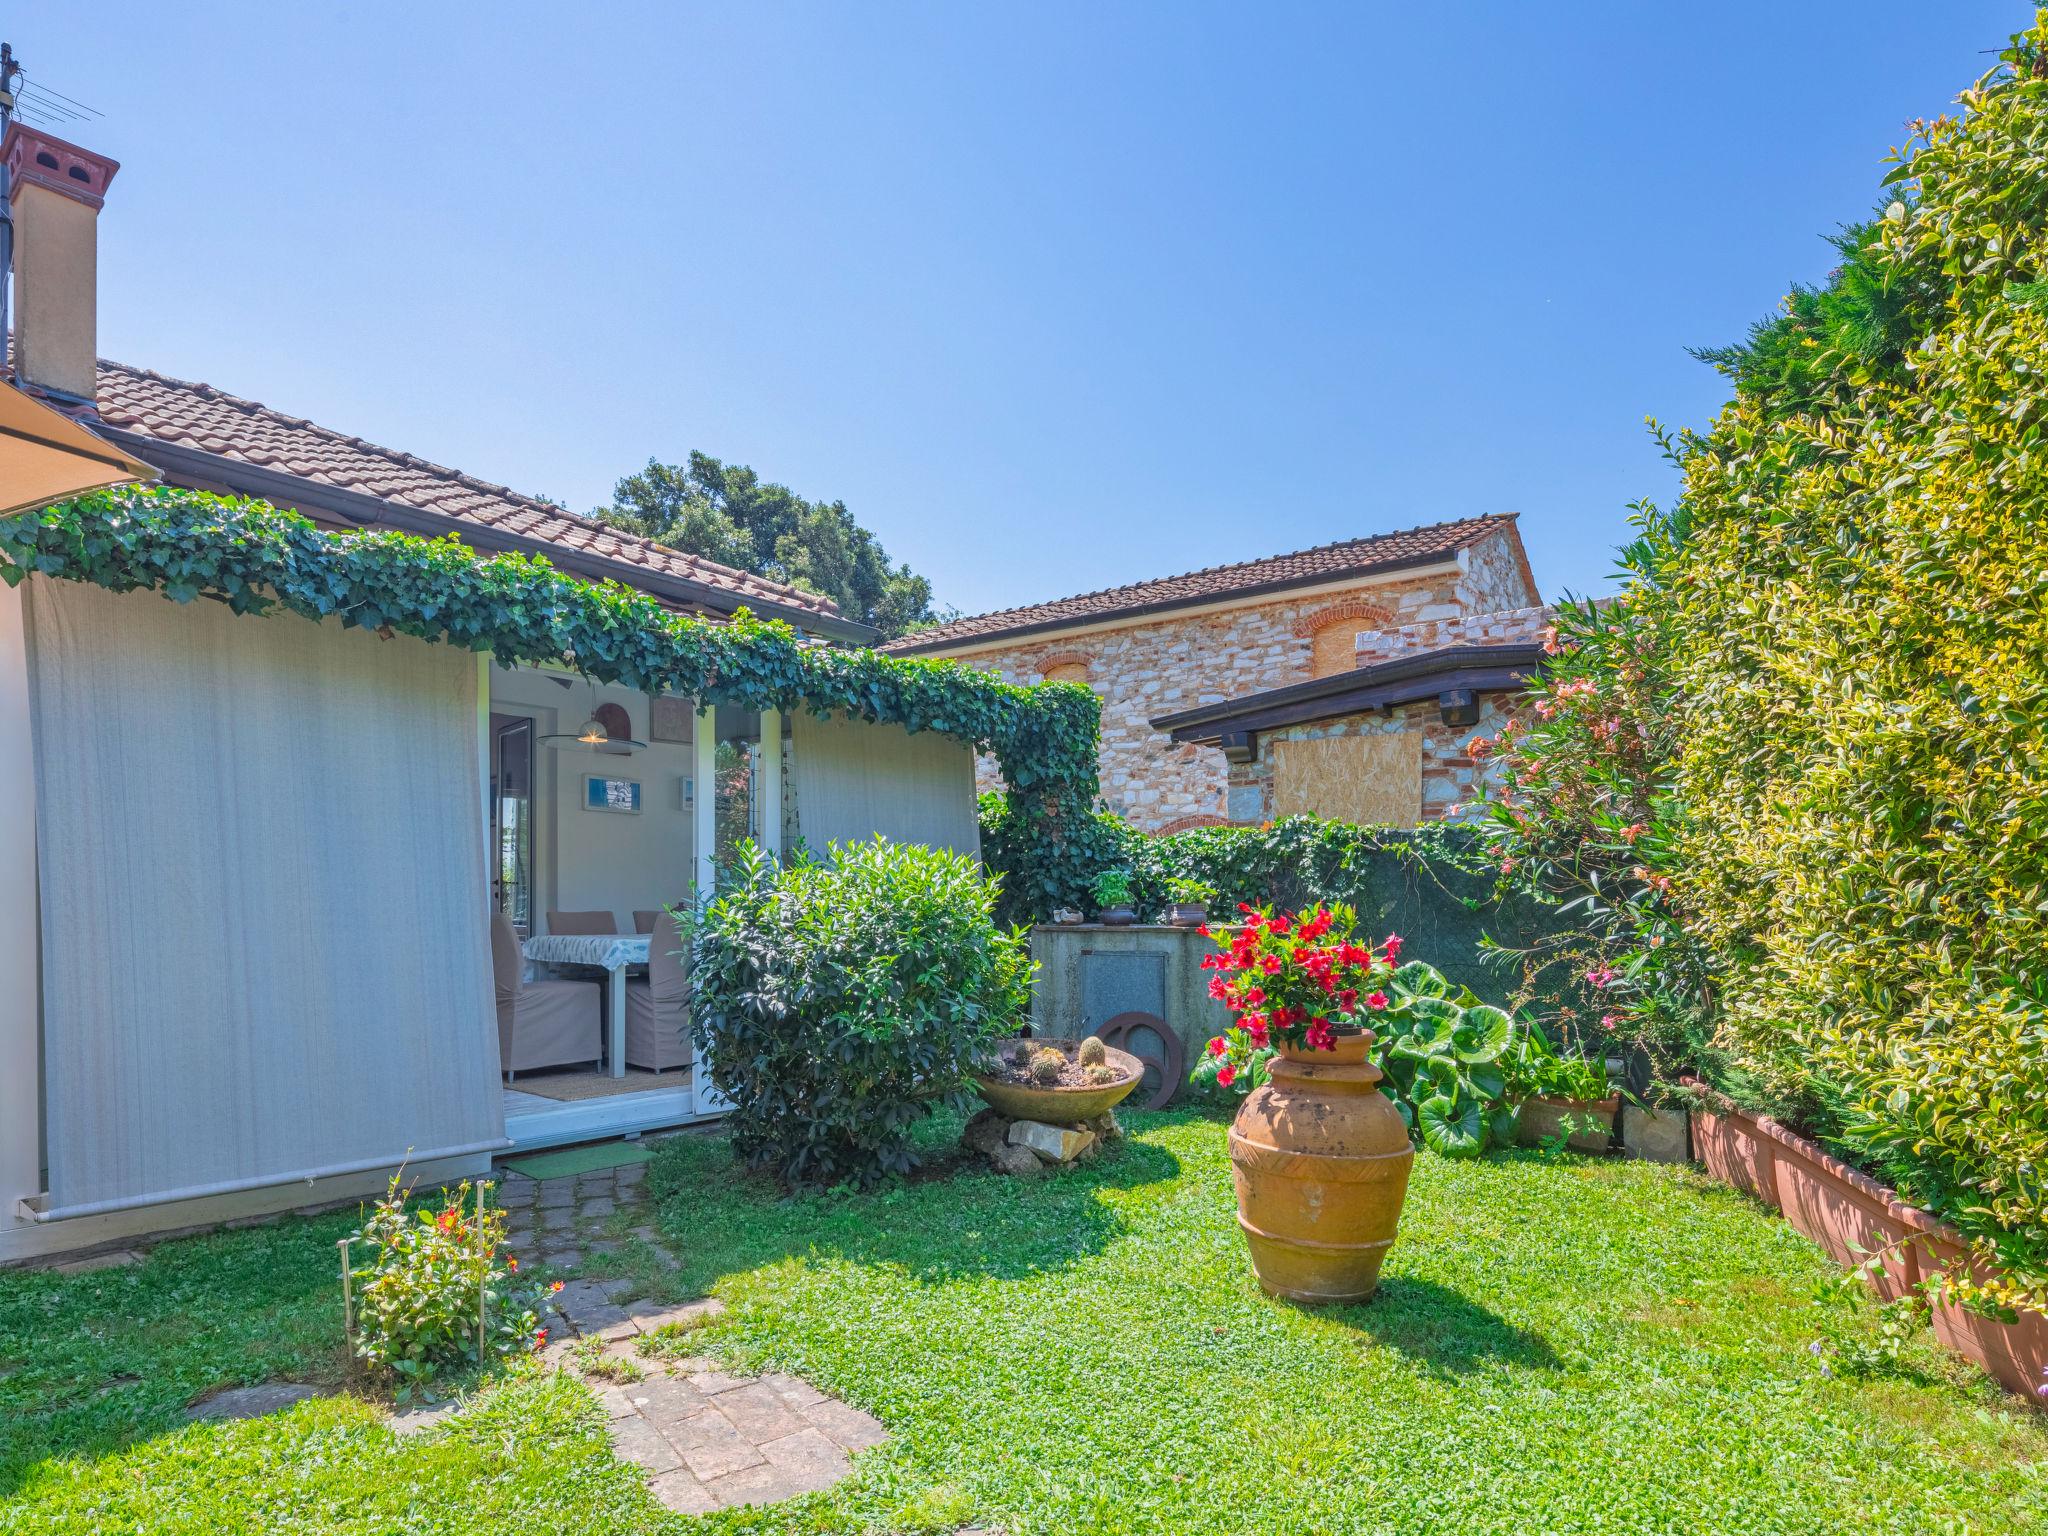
1321	1161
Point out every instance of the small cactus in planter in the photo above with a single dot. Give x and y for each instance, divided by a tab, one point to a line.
1100	1074
1092	1053
1047	1065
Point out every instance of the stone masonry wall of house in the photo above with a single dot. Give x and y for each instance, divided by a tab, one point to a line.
1450	774
1180	661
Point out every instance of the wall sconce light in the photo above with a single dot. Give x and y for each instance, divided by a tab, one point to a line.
1457	706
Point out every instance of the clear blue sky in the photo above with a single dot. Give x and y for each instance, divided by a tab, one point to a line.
1054	296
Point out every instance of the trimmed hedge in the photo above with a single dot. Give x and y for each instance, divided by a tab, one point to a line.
1432	885
1834	654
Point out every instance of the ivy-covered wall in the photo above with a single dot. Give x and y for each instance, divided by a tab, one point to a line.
191	545
1429	884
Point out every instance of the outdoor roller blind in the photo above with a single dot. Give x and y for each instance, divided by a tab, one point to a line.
261	865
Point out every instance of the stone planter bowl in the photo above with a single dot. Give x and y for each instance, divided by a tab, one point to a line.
1061	1106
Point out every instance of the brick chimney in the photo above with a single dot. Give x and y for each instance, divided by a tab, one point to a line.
55	190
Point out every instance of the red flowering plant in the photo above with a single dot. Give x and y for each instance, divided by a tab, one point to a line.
433	1293
1301	979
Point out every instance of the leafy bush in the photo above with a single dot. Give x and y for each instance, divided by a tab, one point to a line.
1848	814
428	1281
837	1004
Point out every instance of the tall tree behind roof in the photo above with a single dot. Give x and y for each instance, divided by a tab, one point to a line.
727	513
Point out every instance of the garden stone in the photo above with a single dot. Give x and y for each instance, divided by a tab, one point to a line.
805	1462
985	1132
682	1492
757	1413
407	1422
1106	1126
598	1207
793	1390
1054	1143
1655	1136
847	1425
637	1440
253	1402
710	1446
119	1258
630	1175
1019	1162
714	1381
666	1398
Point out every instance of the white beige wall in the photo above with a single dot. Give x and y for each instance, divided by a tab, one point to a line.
20	1044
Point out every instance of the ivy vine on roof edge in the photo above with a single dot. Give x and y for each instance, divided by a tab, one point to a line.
255	557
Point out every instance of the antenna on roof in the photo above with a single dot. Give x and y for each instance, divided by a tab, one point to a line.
10	73
29	102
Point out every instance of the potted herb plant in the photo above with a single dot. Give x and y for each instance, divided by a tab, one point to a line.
1188	902
1113	898
1569	1097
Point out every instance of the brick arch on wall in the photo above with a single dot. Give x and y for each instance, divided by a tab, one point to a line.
1063	666
1189	823
1332	633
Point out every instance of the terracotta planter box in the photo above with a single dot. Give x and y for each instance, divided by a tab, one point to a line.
1848	1213
1853	1216
2014	1354
1540	1119
1736	1152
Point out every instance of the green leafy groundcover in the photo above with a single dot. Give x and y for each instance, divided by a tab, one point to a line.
1578	1346
255	557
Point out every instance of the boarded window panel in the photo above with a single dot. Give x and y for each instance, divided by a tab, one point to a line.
1067	672
1336	648
1371	780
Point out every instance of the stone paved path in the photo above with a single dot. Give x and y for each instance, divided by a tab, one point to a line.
706	1440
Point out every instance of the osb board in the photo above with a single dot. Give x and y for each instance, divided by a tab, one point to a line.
1369	779
1335	648
672	719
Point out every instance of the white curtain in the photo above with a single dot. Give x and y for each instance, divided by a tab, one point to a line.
854	779
264	942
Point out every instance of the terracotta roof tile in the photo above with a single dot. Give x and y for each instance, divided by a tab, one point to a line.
200	416
1326	562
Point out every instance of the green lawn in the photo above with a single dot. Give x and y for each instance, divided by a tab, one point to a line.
1578	1346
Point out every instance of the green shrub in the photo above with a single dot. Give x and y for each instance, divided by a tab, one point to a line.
1849	814
429	1287
1433	885
837	1004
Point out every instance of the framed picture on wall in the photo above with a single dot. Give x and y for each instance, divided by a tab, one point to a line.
617	795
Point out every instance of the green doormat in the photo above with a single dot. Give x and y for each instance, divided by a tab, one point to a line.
573	1160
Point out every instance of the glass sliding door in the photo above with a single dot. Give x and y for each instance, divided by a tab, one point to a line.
512	819
738	814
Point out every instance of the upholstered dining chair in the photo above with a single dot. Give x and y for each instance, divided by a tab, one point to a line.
582	922
644	921
658	1009
540	1023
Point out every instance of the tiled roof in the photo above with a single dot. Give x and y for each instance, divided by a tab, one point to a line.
1326	562
201	417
